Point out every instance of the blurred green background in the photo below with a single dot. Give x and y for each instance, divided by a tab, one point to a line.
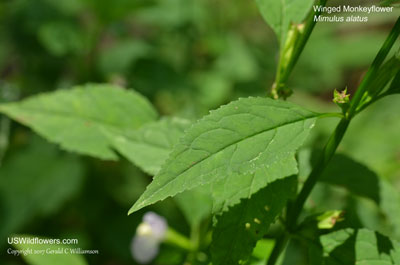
186	57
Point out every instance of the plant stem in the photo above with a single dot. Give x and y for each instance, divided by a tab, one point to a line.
279	246
174	238
285	68
295	209
324	159
341	128
372	71
303	38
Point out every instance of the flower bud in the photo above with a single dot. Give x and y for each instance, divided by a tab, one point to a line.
149	235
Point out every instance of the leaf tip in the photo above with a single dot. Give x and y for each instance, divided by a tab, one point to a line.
133	209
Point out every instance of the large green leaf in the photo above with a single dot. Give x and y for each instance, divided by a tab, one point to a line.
280	13
238	138
239	229
149	146
77	118
362	246
52	253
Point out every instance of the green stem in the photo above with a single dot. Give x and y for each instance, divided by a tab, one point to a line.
395	84
295	209
331	115
301	36
341	128
195	243
279	246
372	71
328	153
174	238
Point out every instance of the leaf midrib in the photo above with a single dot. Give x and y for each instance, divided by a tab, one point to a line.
242	140
223	148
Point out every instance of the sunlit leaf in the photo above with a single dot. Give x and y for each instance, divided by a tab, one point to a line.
239	138
78	118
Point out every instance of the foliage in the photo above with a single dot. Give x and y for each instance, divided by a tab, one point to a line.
254	179
241	138
83	110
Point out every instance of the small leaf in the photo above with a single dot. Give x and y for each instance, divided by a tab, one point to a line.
328	219
62	254
394	87
78	118
387	72
362	246
239	229
239	138
279	14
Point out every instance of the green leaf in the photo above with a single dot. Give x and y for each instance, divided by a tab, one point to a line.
238	138
362	246
339	246
380	151
35	183
360	180
280	13
61	253
357	178
328	219
78	118
239	229
263	248
149	146
384	76
395	85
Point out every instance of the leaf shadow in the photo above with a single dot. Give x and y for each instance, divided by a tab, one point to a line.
347	173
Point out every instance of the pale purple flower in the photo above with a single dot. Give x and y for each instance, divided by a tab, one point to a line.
149	234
